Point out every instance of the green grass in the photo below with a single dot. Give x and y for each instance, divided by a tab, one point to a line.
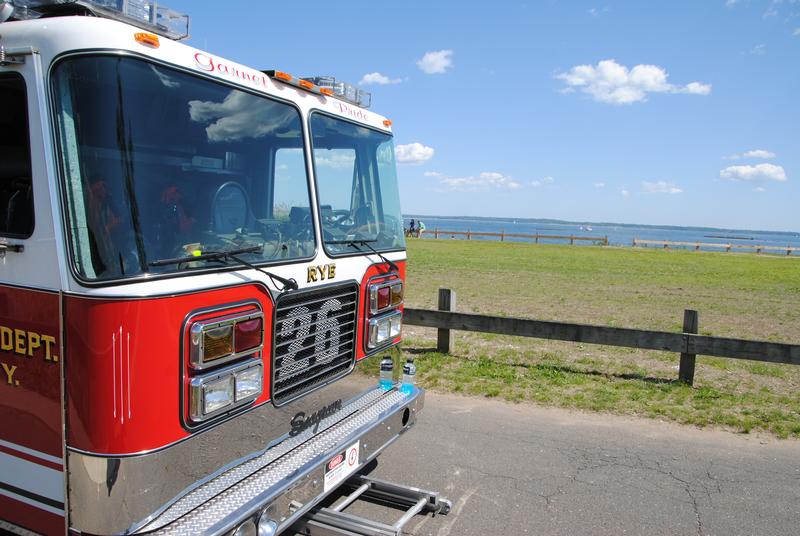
737	295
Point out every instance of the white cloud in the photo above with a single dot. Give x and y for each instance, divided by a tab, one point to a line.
660	187
378	79
413	153
695	88
335	159
542	181
731	3
436	62
241	116
625	193
610	82
599	185
759	50
759	172
754	153
485	181
759	189
796	32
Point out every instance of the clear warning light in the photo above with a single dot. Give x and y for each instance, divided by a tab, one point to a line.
145	14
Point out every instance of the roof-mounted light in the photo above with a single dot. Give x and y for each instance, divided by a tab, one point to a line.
342	90
301	83
145	14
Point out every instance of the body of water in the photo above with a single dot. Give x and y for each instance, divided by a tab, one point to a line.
618	235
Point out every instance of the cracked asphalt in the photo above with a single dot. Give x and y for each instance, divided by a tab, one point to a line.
517	469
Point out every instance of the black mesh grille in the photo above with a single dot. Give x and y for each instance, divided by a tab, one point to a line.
314	339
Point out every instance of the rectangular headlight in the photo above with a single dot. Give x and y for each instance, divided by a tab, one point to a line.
384	329
210	395
249	382
217	395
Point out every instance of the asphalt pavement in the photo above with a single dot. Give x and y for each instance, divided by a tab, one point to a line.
519	469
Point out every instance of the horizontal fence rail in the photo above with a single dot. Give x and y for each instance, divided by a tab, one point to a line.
666	244
689	344
535	237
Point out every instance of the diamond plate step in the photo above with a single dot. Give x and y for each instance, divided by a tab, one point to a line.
245	489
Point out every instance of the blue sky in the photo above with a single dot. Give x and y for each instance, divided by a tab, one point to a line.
658	112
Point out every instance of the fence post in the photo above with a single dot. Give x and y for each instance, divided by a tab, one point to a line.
436	233
502	236
686	369
537	238
445	343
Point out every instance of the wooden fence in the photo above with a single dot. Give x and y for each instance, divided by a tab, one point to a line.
503	235
666	244
688	343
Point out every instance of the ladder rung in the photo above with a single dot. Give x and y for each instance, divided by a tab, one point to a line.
334	521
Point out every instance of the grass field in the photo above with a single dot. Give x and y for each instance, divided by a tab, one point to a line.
737	295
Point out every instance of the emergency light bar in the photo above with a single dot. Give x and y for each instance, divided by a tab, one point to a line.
343	90
145	14
325	85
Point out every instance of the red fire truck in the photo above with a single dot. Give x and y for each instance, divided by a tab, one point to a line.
195	256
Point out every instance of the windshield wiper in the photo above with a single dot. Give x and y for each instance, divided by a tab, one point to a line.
232	255
366	243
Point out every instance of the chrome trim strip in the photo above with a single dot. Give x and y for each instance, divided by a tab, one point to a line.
291	483
15	529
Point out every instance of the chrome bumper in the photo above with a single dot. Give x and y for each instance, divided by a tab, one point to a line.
287	480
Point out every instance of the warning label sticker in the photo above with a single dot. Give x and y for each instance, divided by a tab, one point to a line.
341	466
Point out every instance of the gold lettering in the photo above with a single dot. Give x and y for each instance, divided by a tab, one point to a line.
9	370
323	272
331	271
34	342
312	273
19	340
49	341
6	339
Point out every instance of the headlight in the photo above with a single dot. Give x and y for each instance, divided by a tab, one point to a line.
384	329
222	391
249	382
211	395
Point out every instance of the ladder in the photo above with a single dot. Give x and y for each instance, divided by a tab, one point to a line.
334	521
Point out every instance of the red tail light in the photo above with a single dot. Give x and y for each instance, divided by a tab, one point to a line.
249	334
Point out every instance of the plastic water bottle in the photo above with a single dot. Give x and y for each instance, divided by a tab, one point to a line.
387	365
409	376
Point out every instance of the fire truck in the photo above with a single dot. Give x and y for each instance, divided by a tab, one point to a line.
195	257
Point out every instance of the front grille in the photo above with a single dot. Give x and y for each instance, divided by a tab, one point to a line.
314	340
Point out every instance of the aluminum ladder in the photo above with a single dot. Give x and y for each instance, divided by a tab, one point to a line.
334	521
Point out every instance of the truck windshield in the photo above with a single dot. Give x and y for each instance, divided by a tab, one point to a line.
357	186
159	164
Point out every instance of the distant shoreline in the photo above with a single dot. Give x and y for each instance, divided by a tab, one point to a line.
512	221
